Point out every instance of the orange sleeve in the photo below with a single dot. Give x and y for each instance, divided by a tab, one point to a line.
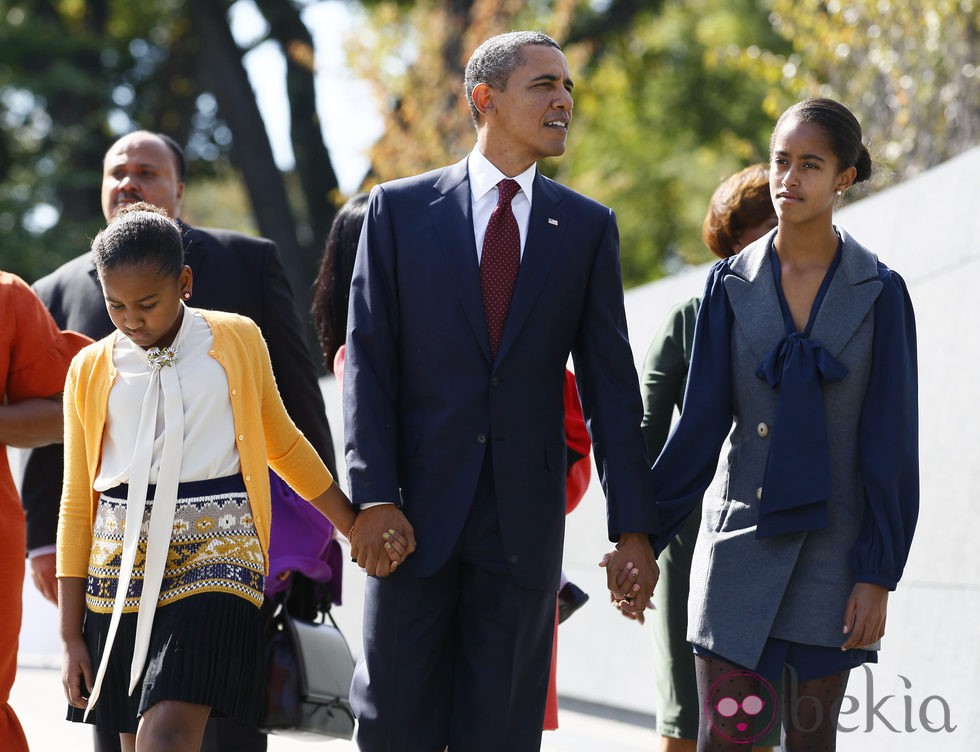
40	352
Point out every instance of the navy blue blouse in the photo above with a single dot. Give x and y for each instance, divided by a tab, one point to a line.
797	482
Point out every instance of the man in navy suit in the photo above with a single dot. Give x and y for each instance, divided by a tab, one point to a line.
458	430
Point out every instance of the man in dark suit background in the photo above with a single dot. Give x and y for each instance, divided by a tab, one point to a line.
454	419
232	272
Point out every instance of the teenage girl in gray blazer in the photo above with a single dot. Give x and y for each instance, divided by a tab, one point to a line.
804	367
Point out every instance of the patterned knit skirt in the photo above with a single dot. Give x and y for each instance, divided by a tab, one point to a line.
206	644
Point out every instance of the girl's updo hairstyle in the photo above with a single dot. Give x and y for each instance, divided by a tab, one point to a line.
140	234
842	129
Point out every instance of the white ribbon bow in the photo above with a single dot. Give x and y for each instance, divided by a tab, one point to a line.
163	380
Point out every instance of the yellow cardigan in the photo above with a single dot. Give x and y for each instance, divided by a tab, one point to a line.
264	434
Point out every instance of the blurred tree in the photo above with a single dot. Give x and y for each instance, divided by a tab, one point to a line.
660	119
53	107
313	166
910	70
415	55
74	76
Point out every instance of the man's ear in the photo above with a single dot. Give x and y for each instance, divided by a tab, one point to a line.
180	199
483	98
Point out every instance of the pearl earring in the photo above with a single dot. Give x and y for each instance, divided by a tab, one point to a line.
187	295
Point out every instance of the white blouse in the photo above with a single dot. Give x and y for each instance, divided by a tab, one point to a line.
209	449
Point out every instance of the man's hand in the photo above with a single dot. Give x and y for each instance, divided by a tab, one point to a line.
631	573
42	572
371	543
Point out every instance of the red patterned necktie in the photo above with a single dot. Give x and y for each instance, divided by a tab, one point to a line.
500	261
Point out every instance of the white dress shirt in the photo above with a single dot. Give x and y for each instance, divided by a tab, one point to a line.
483	196
209	449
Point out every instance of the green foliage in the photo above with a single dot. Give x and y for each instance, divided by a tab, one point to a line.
59	72
73	76
671	97
661	119
908	69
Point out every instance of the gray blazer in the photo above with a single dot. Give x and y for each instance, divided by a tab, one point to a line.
794	587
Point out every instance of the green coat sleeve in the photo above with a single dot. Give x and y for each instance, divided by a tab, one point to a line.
665	374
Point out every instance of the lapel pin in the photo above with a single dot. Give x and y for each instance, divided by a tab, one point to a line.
552	221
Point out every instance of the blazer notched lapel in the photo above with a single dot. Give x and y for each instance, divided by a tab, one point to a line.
752	292
546	228
456	239
852	292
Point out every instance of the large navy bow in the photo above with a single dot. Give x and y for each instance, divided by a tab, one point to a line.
796	485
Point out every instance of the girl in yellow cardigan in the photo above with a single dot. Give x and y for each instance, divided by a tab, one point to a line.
163	538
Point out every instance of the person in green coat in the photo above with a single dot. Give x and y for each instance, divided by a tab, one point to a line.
740	211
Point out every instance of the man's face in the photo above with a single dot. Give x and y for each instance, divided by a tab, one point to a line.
140	167
529	119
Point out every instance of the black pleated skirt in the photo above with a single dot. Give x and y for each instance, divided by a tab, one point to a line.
207	642
206	649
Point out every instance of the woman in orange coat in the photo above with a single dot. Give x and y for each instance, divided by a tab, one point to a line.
34	357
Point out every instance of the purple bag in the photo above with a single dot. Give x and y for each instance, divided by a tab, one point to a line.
302	540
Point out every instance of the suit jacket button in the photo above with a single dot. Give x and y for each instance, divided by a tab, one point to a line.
481	438
494	381
763	430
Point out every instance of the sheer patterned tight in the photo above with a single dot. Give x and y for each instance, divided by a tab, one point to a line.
737	707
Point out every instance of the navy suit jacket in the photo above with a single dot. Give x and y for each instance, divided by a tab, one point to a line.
424	400
232	272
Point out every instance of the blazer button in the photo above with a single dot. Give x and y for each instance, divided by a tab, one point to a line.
248	478
234	392
241	437
481	438
494	381
763	430
758	493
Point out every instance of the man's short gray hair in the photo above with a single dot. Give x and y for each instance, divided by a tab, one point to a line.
494	60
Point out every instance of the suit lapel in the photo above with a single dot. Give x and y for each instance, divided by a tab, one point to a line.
851	293
456	239
752	292
546	229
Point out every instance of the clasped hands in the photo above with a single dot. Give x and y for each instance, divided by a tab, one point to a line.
631	575
381	539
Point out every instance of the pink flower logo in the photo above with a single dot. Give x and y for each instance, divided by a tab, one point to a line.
740	717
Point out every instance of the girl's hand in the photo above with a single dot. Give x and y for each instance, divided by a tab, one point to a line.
637	616
397	546
76	672
368	544
864	617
